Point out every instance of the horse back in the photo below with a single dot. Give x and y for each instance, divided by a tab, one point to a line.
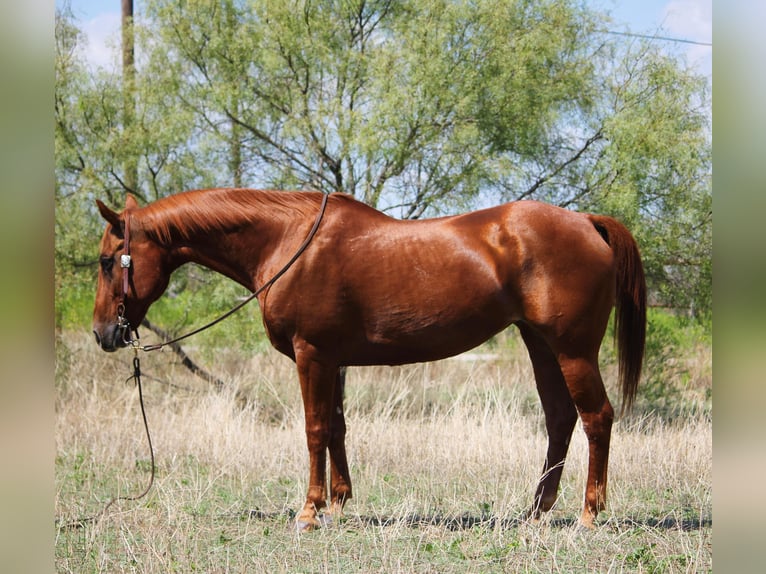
373	289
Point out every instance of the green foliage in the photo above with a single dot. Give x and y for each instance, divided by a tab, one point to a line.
670	377
75	269
677	372
195	297
660	180
419	108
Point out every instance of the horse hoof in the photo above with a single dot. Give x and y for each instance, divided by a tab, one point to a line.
585	524
532	516
319	521
302	526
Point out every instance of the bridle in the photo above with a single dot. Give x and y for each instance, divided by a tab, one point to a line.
126	263
122	323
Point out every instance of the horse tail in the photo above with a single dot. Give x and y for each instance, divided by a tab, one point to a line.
630	304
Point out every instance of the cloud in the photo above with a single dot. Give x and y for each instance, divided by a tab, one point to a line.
692	20
103	40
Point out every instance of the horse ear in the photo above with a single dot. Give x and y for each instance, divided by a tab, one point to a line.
131	202
110	216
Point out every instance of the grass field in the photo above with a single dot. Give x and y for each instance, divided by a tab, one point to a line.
444	460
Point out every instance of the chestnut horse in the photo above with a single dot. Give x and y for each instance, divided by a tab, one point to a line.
370	290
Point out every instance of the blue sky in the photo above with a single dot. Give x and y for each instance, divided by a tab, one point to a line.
685	19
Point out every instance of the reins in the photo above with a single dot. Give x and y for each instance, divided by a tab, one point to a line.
124	325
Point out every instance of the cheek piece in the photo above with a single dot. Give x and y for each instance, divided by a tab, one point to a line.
123	326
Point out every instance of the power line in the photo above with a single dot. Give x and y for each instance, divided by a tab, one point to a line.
663	38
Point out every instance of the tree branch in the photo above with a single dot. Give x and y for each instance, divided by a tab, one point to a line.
185	359
543	179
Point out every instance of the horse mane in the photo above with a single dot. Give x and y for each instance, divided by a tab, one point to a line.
183	215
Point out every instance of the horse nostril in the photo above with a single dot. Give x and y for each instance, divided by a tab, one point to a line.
98	339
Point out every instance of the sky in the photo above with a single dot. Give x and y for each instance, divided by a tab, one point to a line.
683	19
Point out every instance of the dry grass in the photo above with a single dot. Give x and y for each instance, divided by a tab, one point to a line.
444	459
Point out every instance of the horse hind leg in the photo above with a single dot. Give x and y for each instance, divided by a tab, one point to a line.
340	480
560	417
587	389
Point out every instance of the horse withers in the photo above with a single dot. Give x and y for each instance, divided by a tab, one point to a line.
369	289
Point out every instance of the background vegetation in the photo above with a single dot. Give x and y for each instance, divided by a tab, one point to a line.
419	108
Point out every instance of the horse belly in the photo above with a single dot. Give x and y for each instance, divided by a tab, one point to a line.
404	337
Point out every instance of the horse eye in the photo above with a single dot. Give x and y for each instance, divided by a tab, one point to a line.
107	263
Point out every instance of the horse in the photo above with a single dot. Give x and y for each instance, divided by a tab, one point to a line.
369	289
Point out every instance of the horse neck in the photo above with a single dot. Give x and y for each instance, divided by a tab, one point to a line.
224	255
243	240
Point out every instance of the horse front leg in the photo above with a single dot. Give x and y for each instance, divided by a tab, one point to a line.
340	480
318	383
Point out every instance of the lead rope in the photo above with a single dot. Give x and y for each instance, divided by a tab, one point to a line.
136	377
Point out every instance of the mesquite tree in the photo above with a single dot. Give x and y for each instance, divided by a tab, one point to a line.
419	108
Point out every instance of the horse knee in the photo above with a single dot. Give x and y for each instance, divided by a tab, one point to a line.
561	426
317	437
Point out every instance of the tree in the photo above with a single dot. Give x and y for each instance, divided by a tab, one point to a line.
93	146
399	104
418	108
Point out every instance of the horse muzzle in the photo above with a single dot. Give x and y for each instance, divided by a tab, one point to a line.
112	337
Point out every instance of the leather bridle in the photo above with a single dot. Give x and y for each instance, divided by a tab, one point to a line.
125	262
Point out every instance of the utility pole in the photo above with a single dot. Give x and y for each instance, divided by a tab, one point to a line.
130	181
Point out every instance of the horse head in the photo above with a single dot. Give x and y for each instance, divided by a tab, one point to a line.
133	272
